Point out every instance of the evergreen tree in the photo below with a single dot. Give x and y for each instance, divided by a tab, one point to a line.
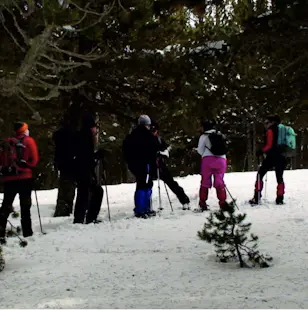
229	234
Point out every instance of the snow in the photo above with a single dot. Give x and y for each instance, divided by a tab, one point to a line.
160	262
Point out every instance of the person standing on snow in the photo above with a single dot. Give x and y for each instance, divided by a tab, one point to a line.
213	164
89	192
140	150
65	140
273	159
18	178
164	173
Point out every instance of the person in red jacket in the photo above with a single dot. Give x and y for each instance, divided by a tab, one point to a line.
272	159
19	181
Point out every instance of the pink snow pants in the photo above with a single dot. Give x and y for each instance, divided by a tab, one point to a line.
213	166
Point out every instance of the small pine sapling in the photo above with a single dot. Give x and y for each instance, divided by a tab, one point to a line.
229	234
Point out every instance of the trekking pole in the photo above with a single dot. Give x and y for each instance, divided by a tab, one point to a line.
234	201
39	214
167	192
107	197
159	194
22	243
265	186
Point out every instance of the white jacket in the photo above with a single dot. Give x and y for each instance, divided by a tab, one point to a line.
205	145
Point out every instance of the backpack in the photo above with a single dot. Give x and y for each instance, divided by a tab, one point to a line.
218	142
286	141
11	155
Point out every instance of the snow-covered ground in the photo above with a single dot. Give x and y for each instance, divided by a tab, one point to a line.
159	262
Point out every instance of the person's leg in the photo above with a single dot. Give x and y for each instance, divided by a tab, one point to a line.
166	177
9	195
82	201
206	181
267	164
25	190
96	199
279	170
220	168
66	195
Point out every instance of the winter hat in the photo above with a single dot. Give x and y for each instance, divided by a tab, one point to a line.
208	125
20	127
144	120
88	120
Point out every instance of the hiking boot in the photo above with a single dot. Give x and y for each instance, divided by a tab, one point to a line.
256	199
226	207
279	200
186	206
151	213
141	215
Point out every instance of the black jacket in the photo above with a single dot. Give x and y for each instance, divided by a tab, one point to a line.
140	149
65	140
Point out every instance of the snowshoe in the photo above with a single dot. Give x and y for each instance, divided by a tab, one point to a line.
186	206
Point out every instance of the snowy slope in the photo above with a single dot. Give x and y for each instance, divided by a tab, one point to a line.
159	262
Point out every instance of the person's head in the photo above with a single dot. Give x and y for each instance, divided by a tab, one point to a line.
21	128
154	128
271	120
208	125
88	122
144	120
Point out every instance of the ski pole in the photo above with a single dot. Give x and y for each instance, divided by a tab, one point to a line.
22	243
159	194
265	186
234	201
39	214
107	197
167	192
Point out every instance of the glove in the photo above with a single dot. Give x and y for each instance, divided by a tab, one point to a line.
164	153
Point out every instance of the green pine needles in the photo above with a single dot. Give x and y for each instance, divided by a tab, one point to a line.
229	234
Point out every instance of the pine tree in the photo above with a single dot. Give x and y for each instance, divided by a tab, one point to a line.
229	234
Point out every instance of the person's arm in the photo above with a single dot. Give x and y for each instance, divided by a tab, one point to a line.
269	141
33	153
201	145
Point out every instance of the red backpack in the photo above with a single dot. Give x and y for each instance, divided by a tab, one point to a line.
11	155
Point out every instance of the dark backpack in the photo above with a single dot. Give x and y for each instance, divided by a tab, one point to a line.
218	142
11	156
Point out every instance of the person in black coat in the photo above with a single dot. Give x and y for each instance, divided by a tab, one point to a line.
164	172
89	191
65	140
140	150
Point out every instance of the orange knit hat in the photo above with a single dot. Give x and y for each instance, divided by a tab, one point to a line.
20	127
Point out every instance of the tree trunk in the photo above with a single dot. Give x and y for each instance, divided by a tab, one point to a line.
249	149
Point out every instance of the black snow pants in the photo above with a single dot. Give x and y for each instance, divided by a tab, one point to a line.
11	189
88	202
166	177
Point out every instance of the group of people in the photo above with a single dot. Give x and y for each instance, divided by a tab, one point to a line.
145	153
